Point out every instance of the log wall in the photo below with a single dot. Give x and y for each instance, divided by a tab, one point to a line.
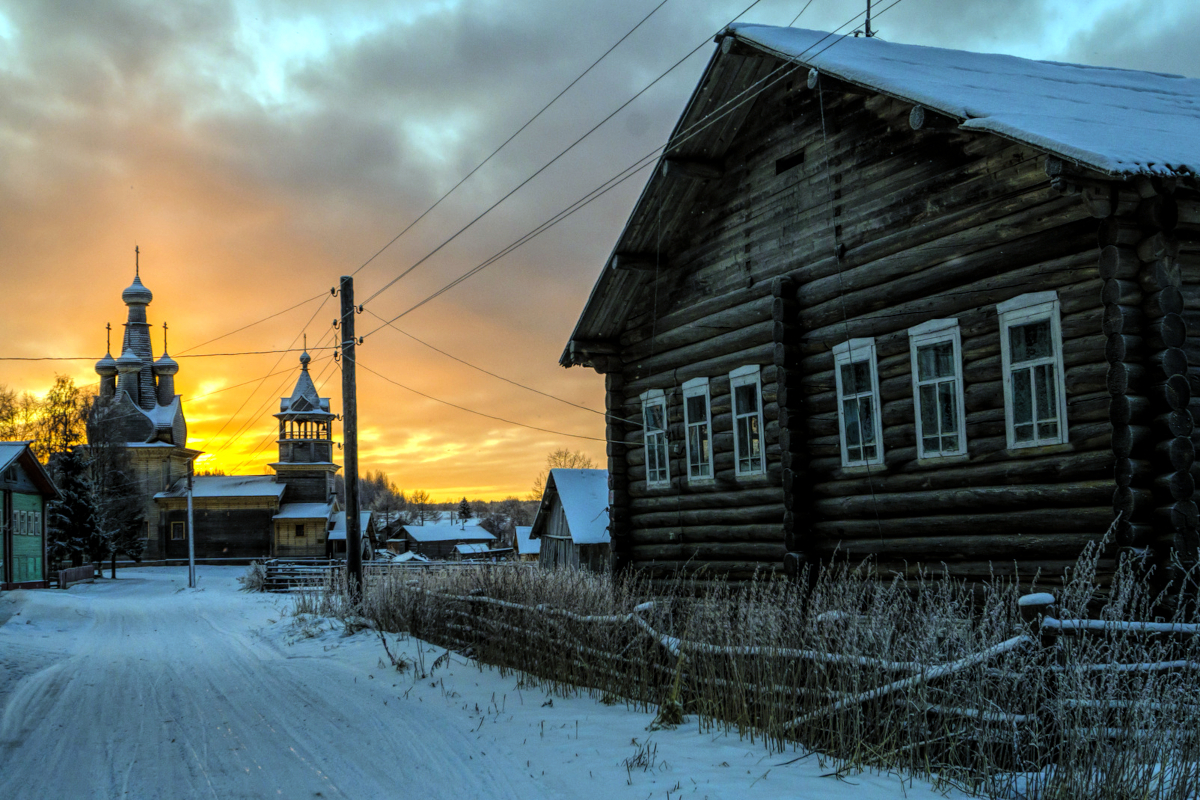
878	228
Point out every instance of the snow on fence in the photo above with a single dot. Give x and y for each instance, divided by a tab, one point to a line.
1109	708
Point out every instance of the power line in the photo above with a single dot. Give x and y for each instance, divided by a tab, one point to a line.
193	355
252	324
638	165
273	368
481	369
461	181
473	411
549	163
518	132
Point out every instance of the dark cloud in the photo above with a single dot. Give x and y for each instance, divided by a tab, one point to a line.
1144	35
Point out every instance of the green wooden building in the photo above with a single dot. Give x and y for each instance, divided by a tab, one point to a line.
25	489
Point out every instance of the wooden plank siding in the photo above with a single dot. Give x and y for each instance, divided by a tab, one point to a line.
289	545
878	229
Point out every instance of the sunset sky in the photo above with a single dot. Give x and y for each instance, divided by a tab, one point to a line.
255	151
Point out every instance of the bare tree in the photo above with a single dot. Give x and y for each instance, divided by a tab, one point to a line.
561	458
111	487
60	419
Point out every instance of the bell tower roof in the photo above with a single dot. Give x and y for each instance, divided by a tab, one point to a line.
305	402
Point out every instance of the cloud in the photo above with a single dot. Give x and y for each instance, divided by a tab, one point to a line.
258	149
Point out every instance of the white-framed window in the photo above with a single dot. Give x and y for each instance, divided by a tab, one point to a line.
745	386
859	421
654	431
1035	396
936	348
697	421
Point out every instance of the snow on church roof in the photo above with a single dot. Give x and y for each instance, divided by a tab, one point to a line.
1116	121
227	486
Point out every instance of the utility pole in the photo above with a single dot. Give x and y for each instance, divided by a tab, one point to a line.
350	443
869	33
191	533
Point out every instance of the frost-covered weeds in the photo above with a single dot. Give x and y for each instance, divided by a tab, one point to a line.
254	579
846	665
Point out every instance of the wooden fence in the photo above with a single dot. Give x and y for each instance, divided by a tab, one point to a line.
646	662
70	575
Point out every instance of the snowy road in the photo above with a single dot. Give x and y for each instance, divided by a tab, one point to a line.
164	694
141	688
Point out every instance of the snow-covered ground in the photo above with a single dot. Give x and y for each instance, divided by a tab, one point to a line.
142	688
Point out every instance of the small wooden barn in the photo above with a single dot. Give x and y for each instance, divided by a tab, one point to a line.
438	541
25	489
526	547
922	304
572	520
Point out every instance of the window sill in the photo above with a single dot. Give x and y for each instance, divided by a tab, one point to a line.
710	481
1027	451
934	461
863	469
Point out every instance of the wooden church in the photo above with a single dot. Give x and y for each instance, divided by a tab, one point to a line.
289	513
926	305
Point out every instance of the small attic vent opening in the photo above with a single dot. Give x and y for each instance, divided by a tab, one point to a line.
787	162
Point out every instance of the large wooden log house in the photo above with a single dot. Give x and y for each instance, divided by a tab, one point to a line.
927	305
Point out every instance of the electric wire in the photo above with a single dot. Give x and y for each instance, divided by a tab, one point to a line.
381	376
193	355
786	69
518	132
461	181
553	160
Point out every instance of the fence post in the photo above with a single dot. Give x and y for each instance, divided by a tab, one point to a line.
1034	609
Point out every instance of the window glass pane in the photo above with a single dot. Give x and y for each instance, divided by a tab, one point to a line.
1022	397
947	407
1048	430
753	436
654	417
868	452
746	399
1047	407
850	415
950	444
935	361
1029	342
865	420
696	409
929	420
1023	433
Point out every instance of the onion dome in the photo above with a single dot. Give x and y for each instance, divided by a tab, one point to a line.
304	359
107	366
166	365
137	294
128	362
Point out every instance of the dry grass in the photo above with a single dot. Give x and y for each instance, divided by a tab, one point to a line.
876	674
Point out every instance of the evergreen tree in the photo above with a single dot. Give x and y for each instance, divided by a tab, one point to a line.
71	521
464	512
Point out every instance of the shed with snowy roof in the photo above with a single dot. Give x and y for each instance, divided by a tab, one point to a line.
930	306
571	523
438	541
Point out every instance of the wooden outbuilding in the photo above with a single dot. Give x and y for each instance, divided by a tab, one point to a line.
438	541
25	489
572	520
932	306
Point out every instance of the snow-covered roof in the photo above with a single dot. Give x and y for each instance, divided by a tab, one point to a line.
526	545
471	548
584	497
13	451
339	524
1115	121
227	486
305	511
447	533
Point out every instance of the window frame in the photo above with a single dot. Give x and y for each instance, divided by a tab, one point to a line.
656	397
178	526
299	532
697	387
845	353
751	374
937	331
1021	310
